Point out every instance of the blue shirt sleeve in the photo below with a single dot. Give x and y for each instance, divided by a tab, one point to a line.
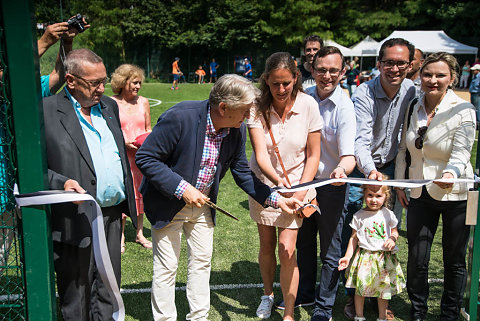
44	84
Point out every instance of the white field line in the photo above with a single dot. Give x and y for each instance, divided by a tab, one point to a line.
154	102
14	297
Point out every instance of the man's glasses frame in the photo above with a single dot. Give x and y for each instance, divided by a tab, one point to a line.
92	83
334	72
401	64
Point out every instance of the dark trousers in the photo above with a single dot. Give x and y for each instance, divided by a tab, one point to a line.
423	216
83	295
328	225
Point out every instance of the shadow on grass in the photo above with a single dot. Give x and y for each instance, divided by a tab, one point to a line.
244	204
131	232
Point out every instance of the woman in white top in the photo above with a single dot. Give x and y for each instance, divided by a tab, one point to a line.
440	139
295	123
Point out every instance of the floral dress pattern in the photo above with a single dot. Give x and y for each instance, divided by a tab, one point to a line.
374	271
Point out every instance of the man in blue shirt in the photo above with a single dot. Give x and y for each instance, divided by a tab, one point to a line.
86	153
248	70
475	89
213	70
380	106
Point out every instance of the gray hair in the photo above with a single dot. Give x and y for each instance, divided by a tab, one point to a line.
233	90
77	58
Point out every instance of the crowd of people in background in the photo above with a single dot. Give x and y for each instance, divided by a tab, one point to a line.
302	126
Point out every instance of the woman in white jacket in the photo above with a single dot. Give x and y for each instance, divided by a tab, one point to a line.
439	139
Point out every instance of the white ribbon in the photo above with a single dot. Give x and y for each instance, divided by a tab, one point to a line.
100	250
408	183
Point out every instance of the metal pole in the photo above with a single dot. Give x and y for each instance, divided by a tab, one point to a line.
22	56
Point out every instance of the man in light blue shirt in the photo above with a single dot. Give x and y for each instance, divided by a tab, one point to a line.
380	106
86	153
475	89
336	161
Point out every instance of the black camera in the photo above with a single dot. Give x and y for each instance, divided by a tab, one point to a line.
77	23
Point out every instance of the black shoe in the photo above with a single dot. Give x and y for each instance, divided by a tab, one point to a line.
281	304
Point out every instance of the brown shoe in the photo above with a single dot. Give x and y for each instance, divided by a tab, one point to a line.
390	315
349	310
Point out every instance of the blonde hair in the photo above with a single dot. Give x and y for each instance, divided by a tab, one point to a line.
447	58
123	74
386	189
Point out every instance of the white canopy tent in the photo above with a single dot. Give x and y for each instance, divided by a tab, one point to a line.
368	47
432	41
347	52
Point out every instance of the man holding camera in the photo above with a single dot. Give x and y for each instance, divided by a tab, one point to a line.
65	32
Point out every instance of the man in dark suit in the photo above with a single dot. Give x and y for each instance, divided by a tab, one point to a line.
86	153
183	160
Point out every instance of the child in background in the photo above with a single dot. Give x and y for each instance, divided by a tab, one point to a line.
201	75
375	270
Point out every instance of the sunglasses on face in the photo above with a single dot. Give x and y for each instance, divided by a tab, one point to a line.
421	134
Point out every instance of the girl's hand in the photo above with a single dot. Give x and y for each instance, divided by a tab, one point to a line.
343	263
389	244
130	146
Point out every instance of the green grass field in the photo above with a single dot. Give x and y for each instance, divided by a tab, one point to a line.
235	251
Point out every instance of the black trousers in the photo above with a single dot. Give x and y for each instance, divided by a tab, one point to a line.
423	217
328	226
83	295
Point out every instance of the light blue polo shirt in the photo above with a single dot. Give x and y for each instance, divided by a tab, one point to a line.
104	154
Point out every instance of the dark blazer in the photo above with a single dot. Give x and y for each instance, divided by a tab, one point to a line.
173	152
68	157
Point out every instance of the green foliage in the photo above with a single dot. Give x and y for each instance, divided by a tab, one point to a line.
155	31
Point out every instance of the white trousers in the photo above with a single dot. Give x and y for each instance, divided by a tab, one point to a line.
197	225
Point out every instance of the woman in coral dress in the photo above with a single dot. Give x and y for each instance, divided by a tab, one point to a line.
135	120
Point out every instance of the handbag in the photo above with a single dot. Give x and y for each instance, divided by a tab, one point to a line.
310	197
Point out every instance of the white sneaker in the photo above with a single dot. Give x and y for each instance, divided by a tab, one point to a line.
265	308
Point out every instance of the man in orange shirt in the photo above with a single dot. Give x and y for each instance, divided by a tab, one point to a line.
177	73
201	74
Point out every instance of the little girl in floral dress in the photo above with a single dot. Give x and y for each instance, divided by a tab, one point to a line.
375	270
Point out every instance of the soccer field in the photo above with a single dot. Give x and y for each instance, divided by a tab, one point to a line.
235	276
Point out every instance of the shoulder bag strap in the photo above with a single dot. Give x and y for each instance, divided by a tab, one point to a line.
275	148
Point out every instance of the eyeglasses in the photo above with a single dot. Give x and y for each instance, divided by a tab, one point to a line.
323	71
401	64
421	134
92	83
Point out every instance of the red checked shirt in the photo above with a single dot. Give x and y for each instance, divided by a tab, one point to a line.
208	164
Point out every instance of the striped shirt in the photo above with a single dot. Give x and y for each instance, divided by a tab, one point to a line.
208	164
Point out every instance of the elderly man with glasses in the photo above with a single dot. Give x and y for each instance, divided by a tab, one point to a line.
380	106
86	153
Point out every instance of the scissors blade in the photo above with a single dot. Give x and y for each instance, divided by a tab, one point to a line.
221	210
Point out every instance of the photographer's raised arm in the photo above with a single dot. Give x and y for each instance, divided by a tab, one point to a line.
54	32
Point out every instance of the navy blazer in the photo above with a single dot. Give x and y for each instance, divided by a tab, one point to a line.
68	157
173	152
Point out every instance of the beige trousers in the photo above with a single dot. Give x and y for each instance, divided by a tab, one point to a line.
197	225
